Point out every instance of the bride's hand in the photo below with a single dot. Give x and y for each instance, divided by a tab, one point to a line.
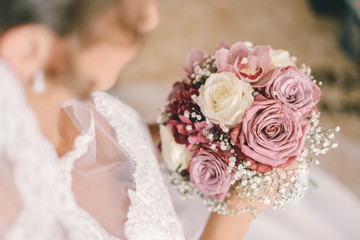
226	227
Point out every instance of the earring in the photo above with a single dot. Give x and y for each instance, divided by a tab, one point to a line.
38	82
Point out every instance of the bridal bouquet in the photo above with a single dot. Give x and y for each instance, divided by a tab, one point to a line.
238	122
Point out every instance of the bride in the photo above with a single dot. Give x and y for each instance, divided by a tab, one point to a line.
75	169
86	168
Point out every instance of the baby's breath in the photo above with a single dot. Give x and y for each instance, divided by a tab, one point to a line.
203	69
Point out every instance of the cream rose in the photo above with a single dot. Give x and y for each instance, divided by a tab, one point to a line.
224	98
176	156
281	58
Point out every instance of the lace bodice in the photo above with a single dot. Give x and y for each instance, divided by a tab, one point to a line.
43	185
151	214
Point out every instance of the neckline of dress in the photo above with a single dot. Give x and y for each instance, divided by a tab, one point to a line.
80	147
82	141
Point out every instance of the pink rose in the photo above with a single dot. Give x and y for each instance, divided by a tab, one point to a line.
272	133
294	89
256	166
248	64
208	173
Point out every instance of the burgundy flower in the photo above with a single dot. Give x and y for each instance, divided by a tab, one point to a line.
180	100
185	135
185	126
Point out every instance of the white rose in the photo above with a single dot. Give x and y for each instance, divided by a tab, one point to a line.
176	156
281	58
224	98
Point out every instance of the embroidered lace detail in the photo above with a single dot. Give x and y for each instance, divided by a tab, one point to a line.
151	214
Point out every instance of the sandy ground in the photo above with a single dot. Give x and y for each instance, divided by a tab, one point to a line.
286	24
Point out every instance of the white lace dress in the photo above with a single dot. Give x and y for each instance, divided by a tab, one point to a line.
108	187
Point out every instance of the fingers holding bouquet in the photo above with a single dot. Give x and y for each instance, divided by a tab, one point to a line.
241	126
226	226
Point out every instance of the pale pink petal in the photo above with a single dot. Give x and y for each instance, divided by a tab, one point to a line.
268	78
200	125
223	59
264	56
185	119
195	55
253	62
222	45
192	140
201	138
240	50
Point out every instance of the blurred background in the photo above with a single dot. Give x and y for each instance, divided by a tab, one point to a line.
324	34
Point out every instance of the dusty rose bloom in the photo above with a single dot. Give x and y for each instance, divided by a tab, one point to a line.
294	89
272	133
208	173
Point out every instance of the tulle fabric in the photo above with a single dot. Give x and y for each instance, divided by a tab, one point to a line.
102	171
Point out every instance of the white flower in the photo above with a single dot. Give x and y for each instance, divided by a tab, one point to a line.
176	156
224	98
281	58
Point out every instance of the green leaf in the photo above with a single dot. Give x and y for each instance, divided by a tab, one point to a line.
313	183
